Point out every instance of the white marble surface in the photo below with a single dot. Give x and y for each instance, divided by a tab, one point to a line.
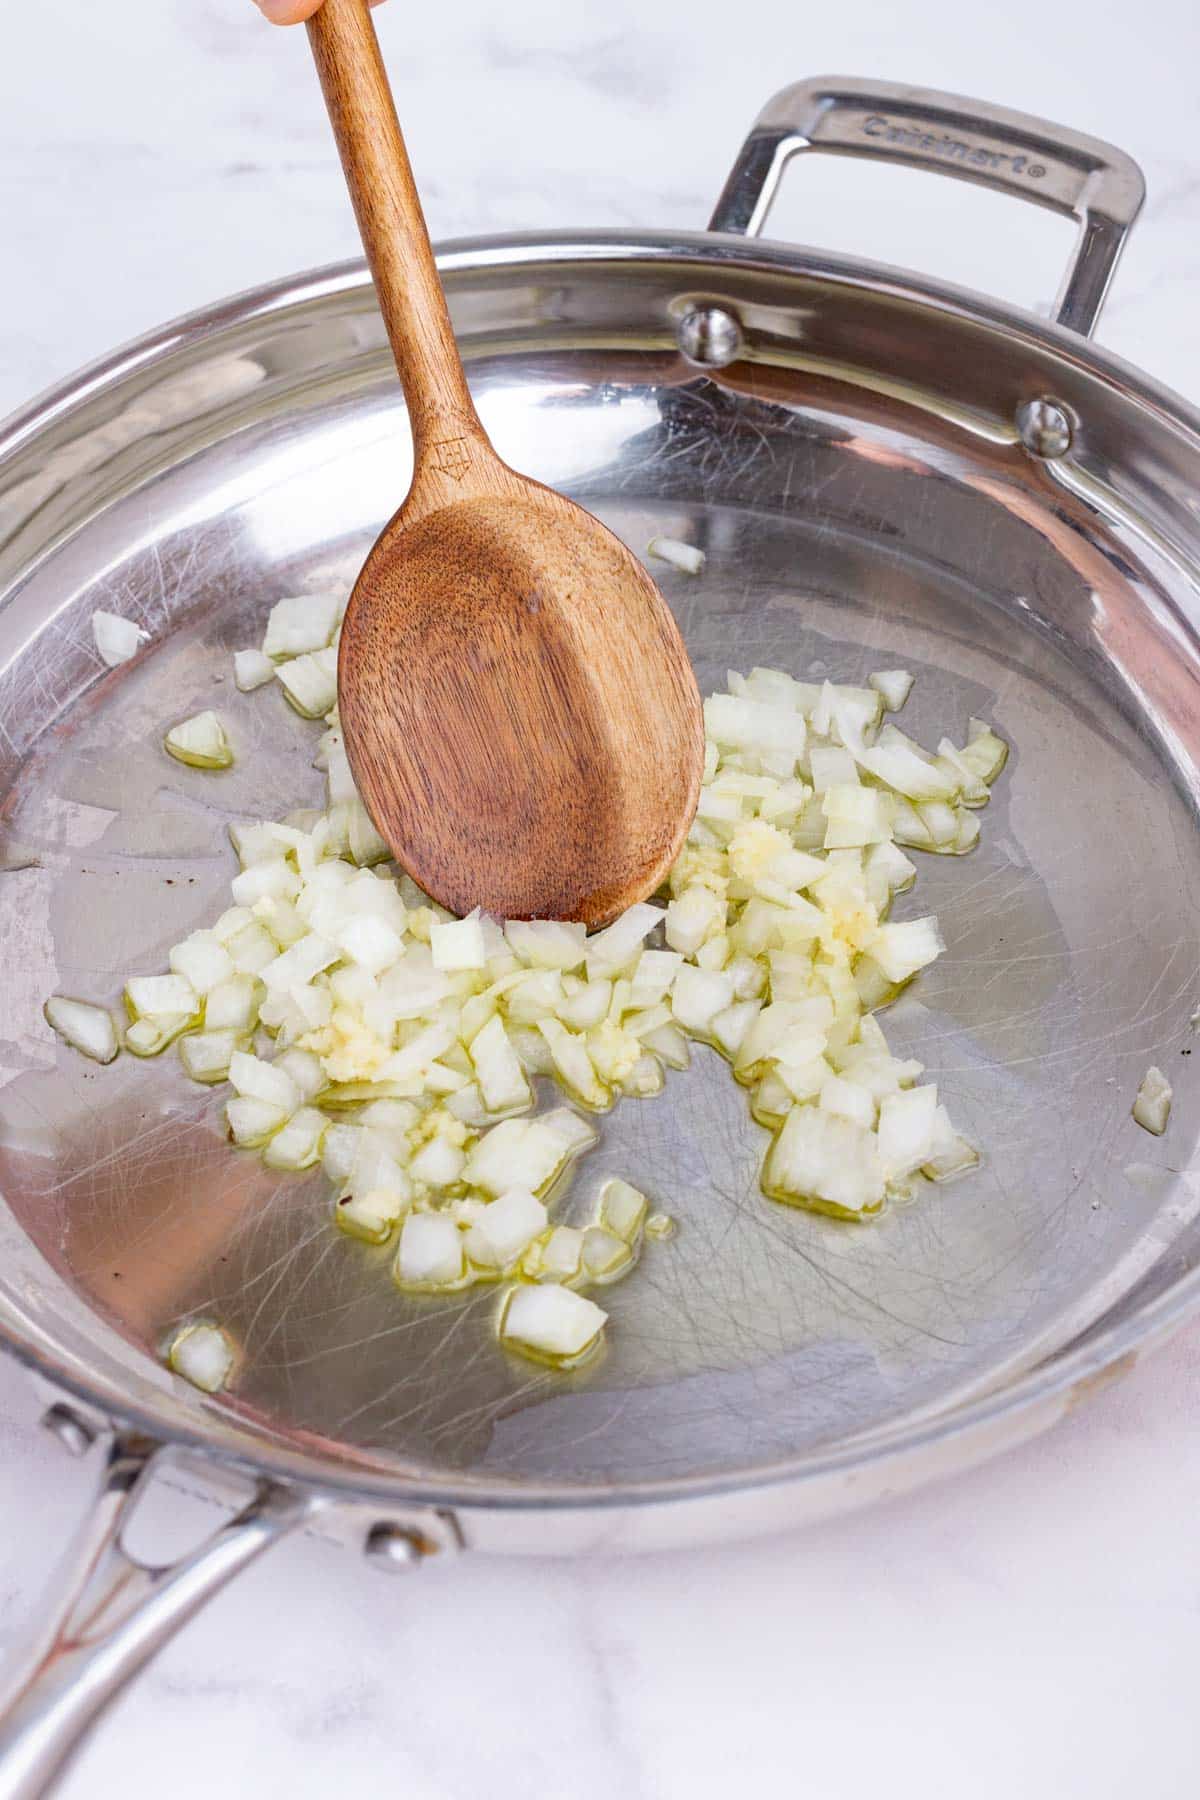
1032	1628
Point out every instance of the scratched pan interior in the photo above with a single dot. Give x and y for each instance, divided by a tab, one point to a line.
863	502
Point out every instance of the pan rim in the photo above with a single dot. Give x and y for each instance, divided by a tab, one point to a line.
1055	1379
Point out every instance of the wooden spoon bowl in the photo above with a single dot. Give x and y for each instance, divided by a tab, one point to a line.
517	704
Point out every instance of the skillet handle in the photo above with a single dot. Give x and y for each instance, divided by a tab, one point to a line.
1083	177
110	1614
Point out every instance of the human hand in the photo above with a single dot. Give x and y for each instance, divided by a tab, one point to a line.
292	12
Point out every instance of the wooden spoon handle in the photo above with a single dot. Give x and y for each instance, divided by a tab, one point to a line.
392	225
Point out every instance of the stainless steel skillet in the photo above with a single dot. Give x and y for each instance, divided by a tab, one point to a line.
883	471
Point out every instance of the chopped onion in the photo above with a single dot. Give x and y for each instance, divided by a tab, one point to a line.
372	1216
254	1079
205	1054
547	943
251	669
301	624
253	1122
825	1162
202	962
297	1145
1152	1107
117	639
203	1355
561	1254
622	1209
87	1028
309	683
151	1035
498	1070
431	1254
406	1040
688	557
516	1153
606	1257
458	944
153	995
895	685
506	1229
551	1323
200	742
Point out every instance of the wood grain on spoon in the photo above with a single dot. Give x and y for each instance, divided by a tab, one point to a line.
517	704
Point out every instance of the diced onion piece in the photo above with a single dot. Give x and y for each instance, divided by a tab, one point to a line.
652	978
252	1122
899	767
309	683
688	557
252	949
117	639
547	943
670	1045
251	669
739	724
660	1226
438	1164
644	1079
305	1070
298	1144
623	1209
562	1252
574	1134
502	1080
200	742
606	1257
551	1323
698	996
202	961
151	995
573	1065
87	1028
506	1229
301	623
273	879
901	949
951	1155
847	1100
611	950
985	753
372	1216
430	1256
895	685
1152	1107
516	1153
203	1355
730	1025
151	1035
586	1005
907	1130
827	1162
254	1079
458	944
692	917
205	1054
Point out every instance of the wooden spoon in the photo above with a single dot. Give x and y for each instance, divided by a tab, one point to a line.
517	704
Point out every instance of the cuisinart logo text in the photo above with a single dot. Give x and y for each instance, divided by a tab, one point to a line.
951	149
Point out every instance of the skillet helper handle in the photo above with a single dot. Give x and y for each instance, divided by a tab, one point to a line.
1082	177
110	1615
391	223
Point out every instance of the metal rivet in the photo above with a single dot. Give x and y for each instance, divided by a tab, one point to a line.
72	1432
394	1547
710	336
1046	427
